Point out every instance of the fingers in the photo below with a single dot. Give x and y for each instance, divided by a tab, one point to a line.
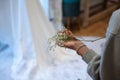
66	31
60	43
68	44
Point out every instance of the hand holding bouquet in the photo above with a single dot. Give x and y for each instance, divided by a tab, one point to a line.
63	38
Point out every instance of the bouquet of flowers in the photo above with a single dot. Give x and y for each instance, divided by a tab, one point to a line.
58	39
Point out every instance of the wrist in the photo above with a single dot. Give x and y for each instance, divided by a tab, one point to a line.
77	45
82	50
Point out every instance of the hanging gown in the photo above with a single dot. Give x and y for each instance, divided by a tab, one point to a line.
32	58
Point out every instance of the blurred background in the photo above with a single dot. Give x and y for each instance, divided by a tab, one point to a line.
83	17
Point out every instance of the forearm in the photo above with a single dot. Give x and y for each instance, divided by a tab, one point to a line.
80	48
86	53
92	59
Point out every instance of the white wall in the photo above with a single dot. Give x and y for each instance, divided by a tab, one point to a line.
5	23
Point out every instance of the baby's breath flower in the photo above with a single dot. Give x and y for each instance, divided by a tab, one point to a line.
58	39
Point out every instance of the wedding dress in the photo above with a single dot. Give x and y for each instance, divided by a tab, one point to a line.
32	58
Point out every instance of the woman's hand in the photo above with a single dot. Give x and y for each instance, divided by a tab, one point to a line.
72	42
